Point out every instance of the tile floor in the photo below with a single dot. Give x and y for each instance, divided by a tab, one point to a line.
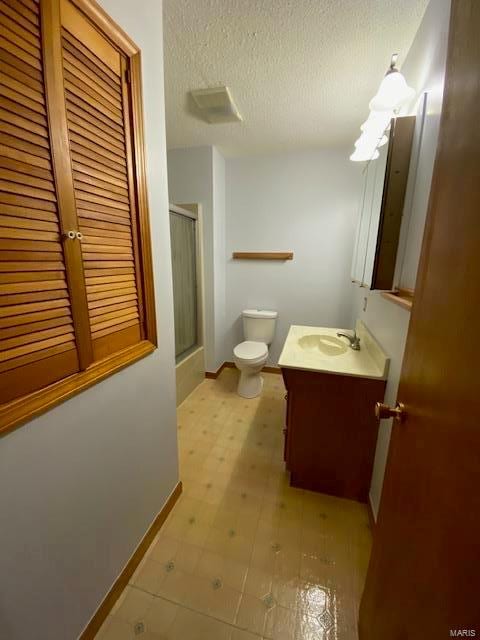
243	555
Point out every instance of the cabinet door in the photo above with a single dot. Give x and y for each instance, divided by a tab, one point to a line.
76	283
98	111
379	171
370	180
360	236
382	199
37	334
393	197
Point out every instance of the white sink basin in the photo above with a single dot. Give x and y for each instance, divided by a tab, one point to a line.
329	345
320	349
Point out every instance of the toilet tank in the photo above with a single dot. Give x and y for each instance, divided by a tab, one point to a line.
259	326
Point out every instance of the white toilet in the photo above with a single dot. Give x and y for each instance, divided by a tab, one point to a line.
251	355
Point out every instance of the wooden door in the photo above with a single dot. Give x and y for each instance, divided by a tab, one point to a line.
424	575
98	113
38	339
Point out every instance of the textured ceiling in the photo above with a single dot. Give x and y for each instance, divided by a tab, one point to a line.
300	71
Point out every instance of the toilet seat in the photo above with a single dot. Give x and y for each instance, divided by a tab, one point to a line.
250	352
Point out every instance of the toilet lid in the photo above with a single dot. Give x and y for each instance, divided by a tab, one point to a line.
250	350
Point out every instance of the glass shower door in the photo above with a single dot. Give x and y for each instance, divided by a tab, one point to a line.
183	235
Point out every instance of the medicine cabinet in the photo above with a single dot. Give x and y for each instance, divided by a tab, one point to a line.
381	207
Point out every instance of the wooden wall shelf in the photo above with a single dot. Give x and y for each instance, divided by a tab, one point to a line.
402	297
263	255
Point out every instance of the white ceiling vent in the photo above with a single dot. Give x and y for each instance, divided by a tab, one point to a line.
216	105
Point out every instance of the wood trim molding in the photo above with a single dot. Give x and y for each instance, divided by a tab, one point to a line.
121	582
213	375
402	297
272	370
266	369
109	27
265	255
139	271
17	412
140	170
231	365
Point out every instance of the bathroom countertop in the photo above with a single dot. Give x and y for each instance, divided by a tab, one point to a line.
327	353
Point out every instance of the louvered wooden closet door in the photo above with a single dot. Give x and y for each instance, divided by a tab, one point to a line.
37	340
98	119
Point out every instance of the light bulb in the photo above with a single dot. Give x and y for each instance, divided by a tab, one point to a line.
377	121
392	93
363	155
372	141
366	141
383	140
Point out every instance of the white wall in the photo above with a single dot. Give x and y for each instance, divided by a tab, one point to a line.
219	231
389	324
303	202
424	69
197	175
80	485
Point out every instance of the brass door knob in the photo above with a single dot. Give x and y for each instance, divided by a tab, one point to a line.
383	411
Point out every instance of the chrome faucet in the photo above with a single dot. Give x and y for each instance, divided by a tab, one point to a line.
354	340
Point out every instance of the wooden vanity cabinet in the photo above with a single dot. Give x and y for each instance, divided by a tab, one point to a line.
331	431
285	430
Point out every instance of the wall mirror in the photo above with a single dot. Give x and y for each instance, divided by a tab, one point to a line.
381	208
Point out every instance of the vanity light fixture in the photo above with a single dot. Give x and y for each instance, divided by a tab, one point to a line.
362	155
365	148
393	91
377	121
367	141
383	140
391	95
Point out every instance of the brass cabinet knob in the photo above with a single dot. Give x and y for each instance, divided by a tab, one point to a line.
383	411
